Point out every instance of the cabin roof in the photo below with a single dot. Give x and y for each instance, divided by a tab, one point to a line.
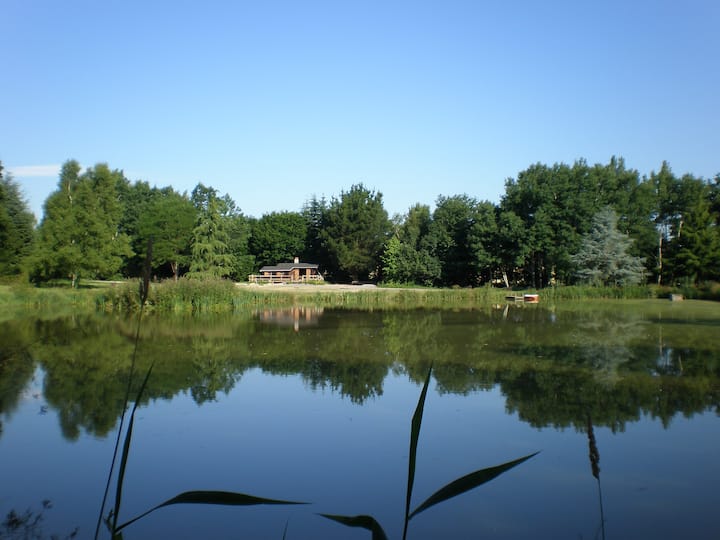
286	267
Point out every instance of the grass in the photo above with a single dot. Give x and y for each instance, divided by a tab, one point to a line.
188	296
18	299
195	296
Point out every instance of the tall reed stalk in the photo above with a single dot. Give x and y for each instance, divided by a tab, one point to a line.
143	294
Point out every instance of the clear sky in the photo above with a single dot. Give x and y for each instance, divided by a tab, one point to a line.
275	101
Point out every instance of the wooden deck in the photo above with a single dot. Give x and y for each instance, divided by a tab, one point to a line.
256	278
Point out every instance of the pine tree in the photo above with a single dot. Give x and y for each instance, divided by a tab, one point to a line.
16	226
604	257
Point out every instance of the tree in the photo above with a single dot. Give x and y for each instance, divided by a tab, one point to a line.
239	233
314	212
169	220
136	198
450	236
16	226
695	250
482	240
604	257
355	229
210	256
79	234
408	256
278	237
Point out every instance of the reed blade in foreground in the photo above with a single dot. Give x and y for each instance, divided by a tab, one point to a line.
227	498
412	458
468	482
364	522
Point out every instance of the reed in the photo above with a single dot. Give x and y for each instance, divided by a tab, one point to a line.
20	297
582	292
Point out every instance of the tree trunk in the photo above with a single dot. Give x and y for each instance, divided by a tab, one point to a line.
660	259
174	266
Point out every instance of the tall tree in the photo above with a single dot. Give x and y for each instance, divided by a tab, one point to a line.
483	240
211	257
409	255
314	212
79	234
169	220
694	251
278	237
462	237
16	226
604	257
136	198
355	230
239	234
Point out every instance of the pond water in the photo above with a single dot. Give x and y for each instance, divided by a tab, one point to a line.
315	406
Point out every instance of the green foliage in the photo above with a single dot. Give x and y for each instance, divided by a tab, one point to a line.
530	239
16	226
604	257
278	237
169	220
696	247
314	212
408	256
556	206
355	230
450	233
211	257
79	234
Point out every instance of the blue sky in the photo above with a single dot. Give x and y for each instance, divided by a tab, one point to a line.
273	102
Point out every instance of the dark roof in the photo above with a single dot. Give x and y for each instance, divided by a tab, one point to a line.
286	267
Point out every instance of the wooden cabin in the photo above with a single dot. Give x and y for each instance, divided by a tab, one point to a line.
294	272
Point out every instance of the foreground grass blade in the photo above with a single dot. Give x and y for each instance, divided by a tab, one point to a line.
468	482
364	522
414	435
126	452
145	287
227	498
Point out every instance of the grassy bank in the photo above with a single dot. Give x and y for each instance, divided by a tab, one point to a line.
189	296
16	299
220	296
223	296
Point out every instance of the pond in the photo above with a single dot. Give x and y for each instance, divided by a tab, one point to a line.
312	405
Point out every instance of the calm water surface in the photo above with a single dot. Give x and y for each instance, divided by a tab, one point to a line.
315	406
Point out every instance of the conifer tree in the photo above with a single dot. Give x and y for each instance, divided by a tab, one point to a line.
604	257
210	257
16	226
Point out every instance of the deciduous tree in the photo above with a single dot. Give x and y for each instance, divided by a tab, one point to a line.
169	220
355	230
79	234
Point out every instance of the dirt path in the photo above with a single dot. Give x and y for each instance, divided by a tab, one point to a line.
303	287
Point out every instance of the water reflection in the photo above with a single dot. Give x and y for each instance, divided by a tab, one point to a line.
553	367
297	317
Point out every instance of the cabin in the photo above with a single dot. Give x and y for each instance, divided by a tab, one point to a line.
294	272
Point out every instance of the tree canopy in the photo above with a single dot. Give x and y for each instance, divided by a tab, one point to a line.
79	234
543	230
16	226
604	257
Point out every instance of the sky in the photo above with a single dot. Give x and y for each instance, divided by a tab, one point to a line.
279	101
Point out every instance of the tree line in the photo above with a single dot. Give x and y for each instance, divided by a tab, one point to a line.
561	224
